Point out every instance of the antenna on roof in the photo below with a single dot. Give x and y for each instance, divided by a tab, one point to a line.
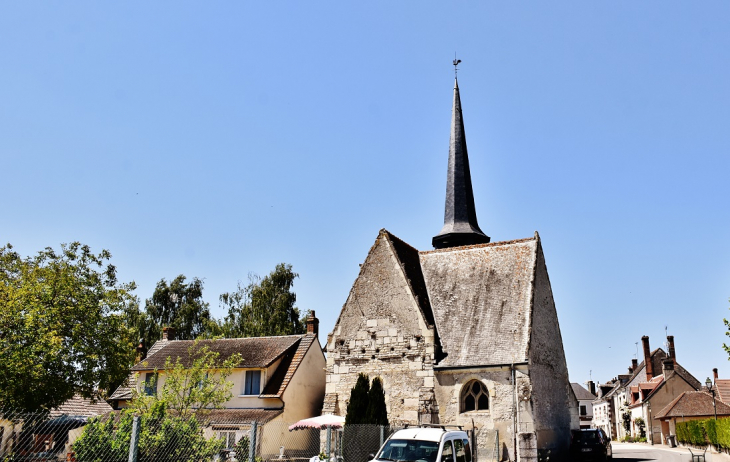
456	63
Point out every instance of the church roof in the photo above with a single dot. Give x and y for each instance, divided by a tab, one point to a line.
481	297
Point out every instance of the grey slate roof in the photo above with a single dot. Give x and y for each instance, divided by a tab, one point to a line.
460	216
481	298
581	393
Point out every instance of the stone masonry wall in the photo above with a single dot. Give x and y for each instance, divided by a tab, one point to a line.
381	332
550	398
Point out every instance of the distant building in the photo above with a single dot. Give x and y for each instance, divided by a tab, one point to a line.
656	382
585	404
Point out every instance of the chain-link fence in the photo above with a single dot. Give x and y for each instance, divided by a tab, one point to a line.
190	437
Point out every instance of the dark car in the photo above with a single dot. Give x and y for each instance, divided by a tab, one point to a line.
590	443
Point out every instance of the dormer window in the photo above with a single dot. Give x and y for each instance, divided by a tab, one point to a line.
252	383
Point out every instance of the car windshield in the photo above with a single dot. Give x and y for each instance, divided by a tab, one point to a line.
409	450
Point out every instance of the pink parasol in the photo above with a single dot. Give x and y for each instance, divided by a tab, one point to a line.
321	422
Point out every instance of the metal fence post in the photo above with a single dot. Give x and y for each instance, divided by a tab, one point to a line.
134	442
329	440
382	436
252	442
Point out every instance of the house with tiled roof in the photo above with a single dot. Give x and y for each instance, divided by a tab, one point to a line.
654	383
278	381
690	405
464	334
585	404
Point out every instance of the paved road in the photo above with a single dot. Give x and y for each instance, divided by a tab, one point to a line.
627	452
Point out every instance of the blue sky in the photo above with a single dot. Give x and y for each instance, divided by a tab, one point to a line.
219	139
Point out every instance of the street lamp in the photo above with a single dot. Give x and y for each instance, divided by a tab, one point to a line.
708	382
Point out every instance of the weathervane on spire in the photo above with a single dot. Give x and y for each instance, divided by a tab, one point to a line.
456	63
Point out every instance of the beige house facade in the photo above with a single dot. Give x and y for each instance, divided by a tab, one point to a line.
279	381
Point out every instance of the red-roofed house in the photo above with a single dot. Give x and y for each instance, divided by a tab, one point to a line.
690	405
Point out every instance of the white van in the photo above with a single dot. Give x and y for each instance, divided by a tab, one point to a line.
426	444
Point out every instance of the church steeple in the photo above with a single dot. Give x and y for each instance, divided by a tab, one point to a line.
460	216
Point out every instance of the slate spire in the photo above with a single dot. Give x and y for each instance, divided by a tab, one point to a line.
460	216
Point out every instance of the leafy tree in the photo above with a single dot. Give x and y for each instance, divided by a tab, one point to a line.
177	304
626	419
641	424
358	405
265	307
172	420
61	326
376	413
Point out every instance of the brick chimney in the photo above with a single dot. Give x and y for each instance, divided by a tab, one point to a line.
312	324
141	351
670	343
667	366
168	333
634	365
647	358
591	386
714	373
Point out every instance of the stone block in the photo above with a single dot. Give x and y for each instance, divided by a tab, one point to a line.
410	416
428	381
393	332
410	403
383	322
372	323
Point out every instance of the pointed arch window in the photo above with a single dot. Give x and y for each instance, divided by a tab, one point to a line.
474	397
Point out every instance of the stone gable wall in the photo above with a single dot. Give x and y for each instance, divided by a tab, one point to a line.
381	332
551	397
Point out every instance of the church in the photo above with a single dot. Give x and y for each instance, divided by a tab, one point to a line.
464	334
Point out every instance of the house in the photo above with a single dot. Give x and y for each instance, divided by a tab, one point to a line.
465	334
50	435
279	381
605	407
656	382
690	405
585	404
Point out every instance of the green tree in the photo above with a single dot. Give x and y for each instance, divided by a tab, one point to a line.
171	420
641	424
61	326
358	405
265	307
179	305
377	412
199	384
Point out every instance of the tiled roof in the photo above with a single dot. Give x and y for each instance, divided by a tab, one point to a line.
723	389
289	364
693	404
657	356
255	351
481	296
238	416
581	393
81	407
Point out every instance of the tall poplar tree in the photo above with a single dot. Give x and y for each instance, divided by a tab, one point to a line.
377	413
358	405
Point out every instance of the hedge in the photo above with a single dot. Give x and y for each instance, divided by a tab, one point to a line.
701	432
